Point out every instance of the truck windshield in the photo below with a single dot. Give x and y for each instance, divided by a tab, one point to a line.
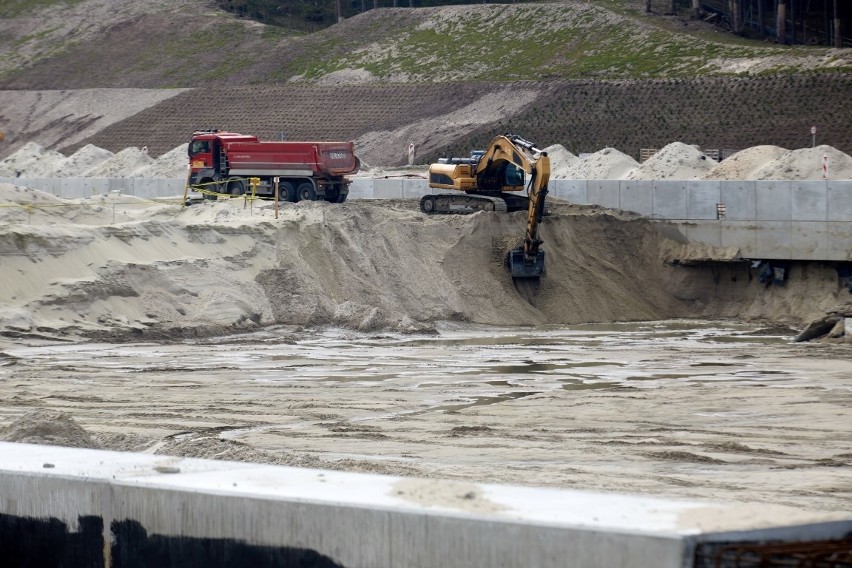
199	147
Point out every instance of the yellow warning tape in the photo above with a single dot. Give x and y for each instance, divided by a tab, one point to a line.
200	188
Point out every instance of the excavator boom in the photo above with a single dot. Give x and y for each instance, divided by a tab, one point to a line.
527	261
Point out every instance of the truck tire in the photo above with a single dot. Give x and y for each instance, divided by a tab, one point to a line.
236	187
341	197
306	192
287	192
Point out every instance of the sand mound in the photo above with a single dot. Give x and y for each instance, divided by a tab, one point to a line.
31	160
806	164
675	161
745	163
121	165
172	164
47	427
560	160
86	158
607	163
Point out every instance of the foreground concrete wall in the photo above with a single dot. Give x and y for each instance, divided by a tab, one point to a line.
97	508
772	220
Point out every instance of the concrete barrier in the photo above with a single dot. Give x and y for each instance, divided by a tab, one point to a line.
111	509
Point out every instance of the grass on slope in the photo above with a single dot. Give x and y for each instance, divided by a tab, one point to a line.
13	8
193	45
565	40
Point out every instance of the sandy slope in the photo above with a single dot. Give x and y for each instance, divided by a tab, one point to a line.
116	264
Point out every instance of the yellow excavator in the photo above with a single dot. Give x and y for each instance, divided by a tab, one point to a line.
491	180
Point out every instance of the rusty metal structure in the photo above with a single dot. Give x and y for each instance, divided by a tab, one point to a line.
810	22
809	554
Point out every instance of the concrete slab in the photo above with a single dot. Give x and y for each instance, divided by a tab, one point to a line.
604	192
773	201
415	188
809	200
194	506
739	198
387	189
840	200
773	241
573	190
361	188
637	196
702	196
704	232
670	200
808	240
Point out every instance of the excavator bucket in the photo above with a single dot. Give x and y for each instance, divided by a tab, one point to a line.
520	267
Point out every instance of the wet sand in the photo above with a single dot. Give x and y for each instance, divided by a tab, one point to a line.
709	410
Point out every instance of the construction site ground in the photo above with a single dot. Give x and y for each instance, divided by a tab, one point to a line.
369	337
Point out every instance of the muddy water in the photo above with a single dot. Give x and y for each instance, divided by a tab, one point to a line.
715	410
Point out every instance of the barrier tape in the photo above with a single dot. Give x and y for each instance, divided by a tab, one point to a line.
200	188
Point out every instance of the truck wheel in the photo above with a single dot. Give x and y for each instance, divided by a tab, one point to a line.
287	192
341	197
236	187
307	192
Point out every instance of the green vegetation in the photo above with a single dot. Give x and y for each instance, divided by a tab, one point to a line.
12	8
536	41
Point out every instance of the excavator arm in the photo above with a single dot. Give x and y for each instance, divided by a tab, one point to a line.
527	261
490	180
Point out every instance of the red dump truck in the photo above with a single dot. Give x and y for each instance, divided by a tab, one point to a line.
225	162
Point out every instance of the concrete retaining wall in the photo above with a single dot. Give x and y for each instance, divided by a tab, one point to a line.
95	508
772	220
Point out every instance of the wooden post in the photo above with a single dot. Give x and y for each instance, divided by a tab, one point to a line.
648	6
696	9
275	180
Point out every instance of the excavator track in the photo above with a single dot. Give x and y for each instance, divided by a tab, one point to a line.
460	204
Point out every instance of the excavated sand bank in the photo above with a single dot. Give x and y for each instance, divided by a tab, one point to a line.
116	265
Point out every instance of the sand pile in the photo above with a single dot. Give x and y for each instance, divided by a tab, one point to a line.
121	165
745	163
47	427
675	161
86	158
32	161
806	164
172	164
607	163
561	160
29	158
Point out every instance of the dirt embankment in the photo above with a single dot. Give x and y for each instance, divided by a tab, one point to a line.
119	266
